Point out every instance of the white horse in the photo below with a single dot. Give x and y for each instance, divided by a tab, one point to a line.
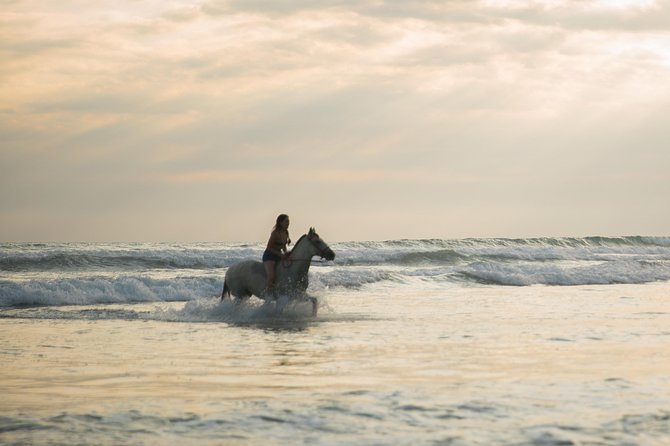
247	278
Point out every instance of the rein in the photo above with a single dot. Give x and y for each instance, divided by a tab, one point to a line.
286	263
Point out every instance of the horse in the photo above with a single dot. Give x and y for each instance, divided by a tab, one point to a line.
248	277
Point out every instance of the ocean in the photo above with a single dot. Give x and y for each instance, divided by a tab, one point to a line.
542	341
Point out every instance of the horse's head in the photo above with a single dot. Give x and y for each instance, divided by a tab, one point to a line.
322	249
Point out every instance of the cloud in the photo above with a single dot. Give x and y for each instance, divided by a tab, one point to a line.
575	14
386	101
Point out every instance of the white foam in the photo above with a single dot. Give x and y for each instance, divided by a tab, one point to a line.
123	289
569	273
250	311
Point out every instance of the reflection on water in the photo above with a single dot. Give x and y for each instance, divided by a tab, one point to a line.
486	365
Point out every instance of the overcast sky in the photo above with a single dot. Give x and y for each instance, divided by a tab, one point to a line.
172	120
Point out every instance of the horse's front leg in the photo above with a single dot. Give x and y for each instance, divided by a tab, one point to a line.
282	302
313	300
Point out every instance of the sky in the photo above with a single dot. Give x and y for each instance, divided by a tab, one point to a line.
172	120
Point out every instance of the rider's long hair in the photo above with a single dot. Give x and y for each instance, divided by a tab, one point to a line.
280	219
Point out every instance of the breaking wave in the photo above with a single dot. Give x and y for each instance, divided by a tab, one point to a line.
79	274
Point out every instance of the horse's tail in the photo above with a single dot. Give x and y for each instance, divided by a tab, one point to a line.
225	291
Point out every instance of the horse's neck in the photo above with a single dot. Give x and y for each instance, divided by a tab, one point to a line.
302	255
301	259
302	250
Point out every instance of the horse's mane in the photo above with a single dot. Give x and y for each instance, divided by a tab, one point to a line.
299	240
297	243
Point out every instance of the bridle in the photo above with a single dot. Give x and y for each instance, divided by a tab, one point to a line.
286	263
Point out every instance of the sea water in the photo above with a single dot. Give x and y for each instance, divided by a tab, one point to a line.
553	341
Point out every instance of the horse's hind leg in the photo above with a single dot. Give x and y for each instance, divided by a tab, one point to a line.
241	297
225	291
315	305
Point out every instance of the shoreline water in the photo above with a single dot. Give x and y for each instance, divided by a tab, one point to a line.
488	365
404	353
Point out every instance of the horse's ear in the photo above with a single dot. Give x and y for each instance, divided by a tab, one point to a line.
312	231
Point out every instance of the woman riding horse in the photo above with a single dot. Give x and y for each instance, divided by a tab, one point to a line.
248	277
276	250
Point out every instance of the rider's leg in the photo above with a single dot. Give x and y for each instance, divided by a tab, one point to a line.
270	277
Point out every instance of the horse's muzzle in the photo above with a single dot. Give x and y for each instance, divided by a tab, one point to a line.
328	254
